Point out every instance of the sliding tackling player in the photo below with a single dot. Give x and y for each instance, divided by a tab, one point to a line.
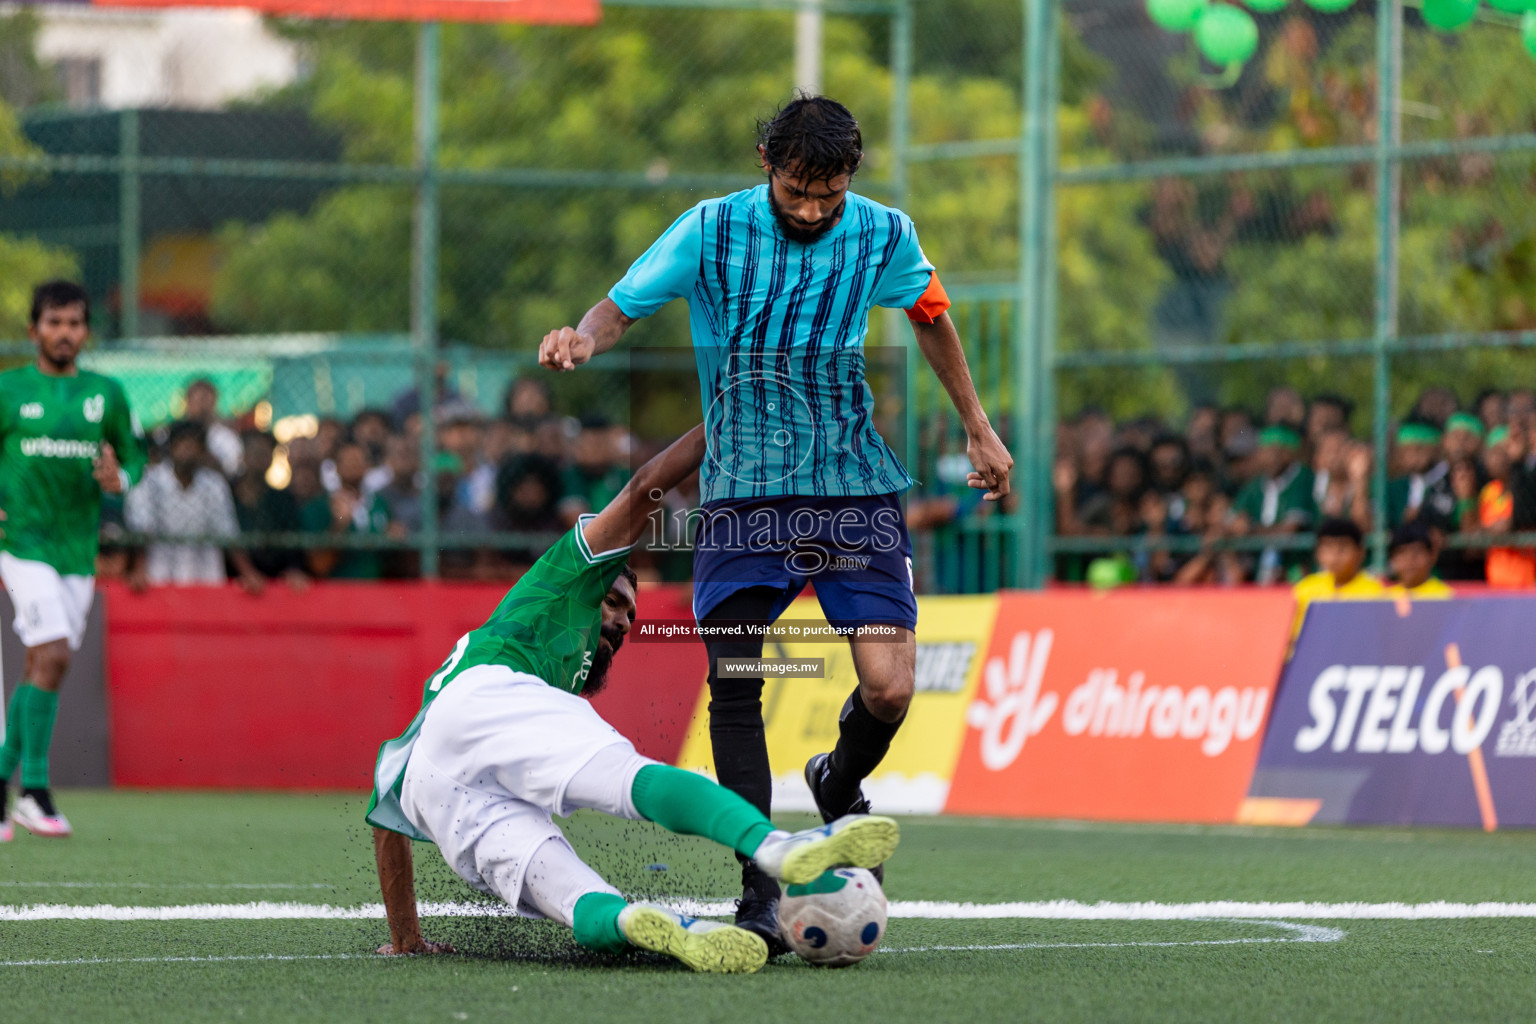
504	741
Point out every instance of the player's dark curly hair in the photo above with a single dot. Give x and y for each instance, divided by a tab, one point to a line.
57	295
816	135
629	574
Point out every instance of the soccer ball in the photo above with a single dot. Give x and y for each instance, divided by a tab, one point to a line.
836	920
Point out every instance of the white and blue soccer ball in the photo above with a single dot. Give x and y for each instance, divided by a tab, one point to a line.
835	921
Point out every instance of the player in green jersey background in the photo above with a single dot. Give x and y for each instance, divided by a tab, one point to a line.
66	437
504	740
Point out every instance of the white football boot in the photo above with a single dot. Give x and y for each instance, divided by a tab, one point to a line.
708	946
30	816
852	841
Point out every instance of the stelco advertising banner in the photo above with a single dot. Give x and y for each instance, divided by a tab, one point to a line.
552	12
1137	706
1421	714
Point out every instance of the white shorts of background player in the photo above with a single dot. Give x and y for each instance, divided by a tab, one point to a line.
500	753
49	607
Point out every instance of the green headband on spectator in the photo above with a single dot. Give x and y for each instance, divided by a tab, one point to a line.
1417	433
1465	421
1280	437
1498	435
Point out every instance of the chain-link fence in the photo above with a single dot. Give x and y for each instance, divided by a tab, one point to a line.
1333	237
409	215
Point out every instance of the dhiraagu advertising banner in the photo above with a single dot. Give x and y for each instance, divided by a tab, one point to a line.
801	713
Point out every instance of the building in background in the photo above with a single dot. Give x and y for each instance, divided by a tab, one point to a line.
186	59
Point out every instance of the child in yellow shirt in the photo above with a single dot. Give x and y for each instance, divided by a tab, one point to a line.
1412	554
1340	554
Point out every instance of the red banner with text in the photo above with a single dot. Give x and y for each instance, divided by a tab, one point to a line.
1131	706
540	12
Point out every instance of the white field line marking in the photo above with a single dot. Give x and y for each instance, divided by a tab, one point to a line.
1298	933
166	885
1054	910
188	959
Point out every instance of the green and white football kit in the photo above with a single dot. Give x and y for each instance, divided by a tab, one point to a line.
51	430
503	742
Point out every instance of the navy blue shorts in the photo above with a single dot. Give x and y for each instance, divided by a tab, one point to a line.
854	550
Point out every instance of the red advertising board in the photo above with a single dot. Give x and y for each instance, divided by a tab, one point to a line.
208	687
1130	706
544	12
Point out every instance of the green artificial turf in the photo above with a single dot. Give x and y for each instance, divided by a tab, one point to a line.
139	849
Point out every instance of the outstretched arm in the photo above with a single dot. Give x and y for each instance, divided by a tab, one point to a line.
569	347
623	520
397	881
940	344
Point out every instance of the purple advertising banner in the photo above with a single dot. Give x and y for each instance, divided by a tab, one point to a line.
1419	714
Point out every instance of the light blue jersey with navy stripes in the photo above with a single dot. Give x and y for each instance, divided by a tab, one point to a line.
778	333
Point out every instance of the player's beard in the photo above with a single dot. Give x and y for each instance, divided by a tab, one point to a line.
799	233
597	675
60	356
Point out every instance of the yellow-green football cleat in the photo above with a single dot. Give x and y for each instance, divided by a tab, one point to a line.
852	841
707	946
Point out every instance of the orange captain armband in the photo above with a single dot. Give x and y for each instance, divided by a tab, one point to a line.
931	304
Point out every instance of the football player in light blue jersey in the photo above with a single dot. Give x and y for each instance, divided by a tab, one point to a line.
798	486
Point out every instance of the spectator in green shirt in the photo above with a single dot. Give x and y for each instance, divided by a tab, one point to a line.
1277	502
346	511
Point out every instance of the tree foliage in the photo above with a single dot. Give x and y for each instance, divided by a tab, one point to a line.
23	261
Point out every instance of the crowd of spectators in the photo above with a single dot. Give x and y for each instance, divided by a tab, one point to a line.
1200	501
1198	504
504	486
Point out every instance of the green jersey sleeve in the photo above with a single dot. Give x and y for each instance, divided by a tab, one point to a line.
547	625
122	431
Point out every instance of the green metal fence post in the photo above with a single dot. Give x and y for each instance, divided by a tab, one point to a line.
1044	498
424	272
1032	528
1389	49
896	334
129	227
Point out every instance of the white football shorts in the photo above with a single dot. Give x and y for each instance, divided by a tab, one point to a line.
48	606
491	766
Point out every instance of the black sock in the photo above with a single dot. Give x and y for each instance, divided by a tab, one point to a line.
44	800
736	718
862	742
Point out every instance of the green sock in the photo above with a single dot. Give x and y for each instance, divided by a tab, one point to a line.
596	922
692	805
10	753
36	737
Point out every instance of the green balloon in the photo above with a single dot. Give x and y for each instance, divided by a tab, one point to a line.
1226	35
1267	6
1513	6
1175	15
1110	572
1528	32
1449	15
1330	6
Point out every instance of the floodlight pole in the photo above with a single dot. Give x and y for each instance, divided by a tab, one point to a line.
808	47
129	229
1389	130
424	270
1032	435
